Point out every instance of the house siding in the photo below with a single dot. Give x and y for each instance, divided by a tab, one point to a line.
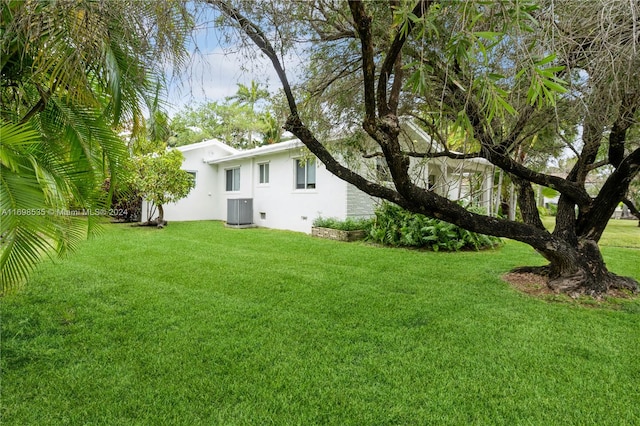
280	205
359	204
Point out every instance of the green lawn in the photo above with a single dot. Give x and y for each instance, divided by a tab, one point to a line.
201	325
619	233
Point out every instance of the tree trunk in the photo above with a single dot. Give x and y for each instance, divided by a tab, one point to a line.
160	221
580	270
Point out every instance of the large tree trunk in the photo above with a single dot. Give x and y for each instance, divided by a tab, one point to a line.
580	270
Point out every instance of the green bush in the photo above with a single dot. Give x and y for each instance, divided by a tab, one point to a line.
395	226
349	224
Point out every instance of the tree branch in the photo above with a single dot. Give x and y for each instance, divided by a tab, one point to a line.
597	164
347	70
363	27
618	135
447	154
391	61
632	208
614	190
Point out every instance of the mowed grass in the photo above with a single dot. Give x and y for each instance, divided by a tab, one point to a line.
619	233
197	324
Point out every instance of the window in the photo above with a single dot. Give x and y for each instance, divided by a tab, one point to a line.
305	174
233	179
264	173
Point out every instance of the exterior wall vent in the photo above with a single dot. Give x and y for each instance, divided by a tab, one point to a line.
240	211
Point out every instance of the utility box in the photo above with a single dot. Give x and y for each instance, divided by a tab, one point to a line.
240	211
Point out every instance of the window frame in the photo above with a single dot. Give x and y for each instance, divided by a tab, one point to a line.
234	184
264	173
307	185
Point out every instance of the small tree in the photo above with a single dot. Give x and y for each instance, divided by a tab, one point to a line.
160	180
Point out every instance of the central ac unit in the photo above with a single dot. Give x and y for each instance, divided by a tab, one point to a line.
240	211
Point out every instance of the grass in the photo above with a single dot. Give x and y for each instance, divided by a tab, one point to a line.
201	325
619	233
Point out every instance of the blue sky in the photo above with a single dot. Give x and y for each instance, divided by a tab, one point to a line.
215	69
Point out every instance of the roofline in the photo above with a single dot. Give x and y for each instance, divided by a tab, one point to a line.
236	154
207	143
259	151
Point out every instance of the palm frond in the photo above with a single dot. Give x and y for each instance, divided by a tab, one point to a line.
26	230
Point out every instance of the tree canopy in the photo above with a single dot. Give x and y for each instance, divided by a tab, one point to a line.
237	121
510	82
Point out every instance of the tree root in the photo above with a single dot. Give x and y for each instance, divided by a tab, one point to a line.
581	283
536	270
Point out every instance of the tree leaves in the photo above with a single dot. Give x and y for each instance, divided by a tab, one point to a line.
73	74
545	84
158	177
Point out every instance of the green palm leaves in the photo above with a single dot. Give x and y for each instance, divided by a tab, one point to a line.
73	75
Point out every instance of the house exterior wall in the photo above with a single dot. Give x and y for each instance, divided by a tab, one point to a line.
202	202
278	204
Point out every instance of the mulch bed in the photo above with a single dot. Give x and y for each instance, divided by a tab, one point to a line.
535	285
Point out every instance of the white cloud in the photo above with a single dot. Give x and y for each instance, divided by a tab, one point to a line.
214	75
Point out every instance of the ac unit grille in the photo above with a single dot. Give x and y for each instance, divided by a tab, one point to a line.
240	211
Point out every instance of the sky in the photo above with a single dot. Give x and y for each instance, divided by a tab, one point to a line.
214	70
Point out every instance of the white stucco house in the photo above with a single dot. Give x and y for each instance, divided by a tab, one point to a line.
283	186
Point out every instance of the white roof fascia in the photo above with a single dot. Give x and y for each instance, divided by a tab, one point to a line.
259	151
208	143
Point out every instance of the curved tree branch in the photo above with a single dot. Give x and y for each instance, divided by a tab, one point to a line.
593	223
632	208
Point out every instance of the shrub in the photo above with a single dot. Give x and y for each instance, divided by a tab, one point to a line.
349	224
395	226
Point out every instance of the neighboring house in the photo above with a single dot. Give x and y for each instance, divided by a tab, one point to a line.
283	186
